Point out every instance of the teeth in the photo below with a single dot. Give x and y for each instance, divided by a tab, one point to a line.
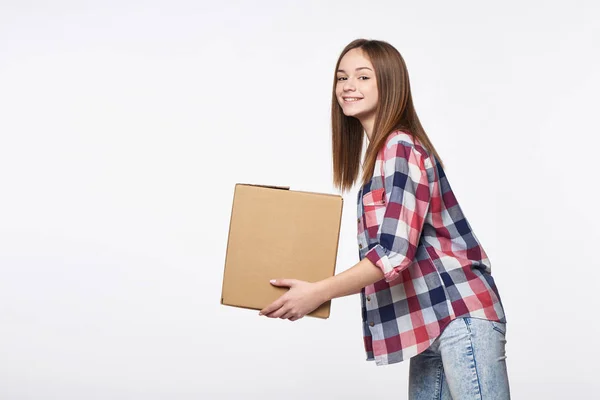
351	98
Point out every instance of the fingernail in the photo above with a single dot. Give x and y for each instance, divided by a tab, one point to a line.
272	281
259	313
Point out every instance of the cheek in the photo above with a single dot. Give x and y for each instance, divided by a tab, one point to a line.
373	90
373	95
338	94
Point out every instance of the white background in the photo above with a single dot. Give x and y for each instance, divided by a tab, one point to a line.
125	125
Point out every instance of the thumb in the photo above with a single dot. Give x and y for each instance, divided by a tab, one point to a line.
283	282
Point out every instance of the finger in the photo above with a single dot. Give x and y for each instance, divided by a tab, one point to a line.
287	315
295	317
278	313
276	305
283	282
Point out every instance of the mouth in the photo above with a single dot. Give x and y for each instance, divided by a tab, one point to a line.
351	99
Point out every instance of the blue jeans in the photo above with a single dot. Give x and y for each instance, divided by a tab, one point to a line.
467	361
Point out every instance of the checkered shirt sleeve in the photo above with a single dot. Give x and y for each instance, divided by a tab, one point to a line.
407	199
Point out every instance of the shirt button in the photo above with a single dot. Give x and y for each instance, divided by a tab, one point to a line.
360	246
368	298
358	220
371	323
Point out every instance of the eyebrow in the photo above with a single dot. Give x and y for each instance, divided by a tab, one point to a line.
357	69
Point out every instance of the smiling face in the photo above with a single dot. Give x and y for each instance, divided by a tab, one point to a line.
356	88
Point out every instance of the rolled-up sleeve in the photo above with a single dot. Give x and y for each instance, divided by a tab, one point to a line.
407	203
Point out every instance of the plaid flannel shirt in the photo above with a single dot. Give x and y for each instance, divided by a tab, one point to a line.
411	226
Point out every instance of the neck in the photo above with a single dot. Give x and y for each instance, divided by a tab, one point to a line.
367	125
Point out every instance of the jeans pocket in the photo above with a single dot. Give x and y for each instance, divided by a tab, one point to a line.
499	327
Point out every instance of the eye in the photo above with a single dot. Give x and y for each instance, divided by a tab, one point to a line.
365	77
341	78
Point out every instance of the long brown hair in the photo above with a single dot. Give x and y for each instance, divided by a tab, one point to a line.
394	111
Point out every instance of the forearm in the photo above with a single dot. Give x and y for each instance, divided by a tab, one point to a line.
352	280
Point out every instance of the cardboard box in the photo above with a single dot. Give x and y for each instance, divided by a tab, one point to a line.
274	233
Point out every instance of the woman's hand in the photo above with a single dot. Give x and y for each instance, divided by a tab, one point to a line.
302	298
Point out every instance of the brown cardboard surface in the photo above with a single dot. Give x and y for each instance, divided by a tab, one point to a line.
275	232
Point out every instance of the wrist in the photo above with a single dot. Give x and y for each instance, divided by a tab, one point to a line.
323	290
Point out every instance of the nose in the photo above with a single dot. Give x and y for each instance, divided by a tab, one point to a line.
348	85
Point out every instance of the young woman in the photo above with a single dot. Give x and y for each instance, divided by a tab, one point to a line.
424	279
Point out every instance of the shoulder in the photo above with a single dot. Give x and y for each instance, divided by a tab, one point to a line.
401	137
400	143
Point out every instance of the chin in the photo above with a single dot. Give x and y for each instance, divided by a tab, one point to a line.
355	114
